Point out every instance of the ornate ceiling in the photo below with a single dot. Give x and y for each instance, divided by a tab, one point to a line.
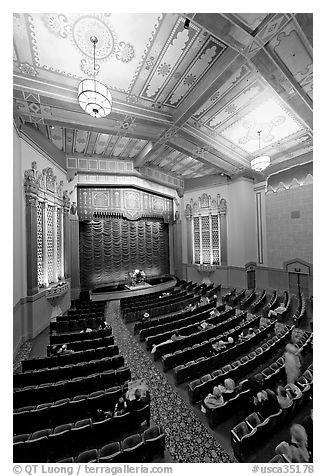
188	102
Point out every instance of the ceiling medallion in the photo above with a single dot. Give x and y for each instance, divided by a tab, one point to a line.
94	97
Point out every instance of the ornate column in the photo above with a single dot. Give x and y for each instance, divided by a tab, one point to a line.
177	229
55	246
74	253
62	263
66	233
188	214
31	185
223	233
45	242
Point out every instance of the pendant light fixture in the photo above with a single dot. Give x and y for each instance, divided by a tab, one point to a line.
261	162
93	96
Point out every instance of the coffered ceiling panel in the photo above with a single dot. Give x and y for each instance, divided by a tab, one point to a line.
188	101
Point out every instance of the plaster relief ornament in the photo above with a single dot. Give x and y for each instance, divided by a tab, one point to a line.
126	52
266	129
26	68
32	176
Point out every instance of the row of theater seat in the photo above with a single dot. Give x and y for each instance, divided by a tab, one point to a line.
129	302
156	311
157	302
248	300
76	316
45	376
247	435
49	445
272	304
85	344
177	322
65	410
259	301
200	336
301	311
34	394
79	356
87	306
234	300
198	350
204	365
139	326
73	337
269	376
198	389
189	326
133	449
75	325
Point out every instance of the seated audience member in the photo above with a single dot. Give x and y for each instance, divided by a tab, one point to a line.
138	402
230	342
212	313
54	350
101	415
205	325
86	329
308	426
228	389
250	333
272	314
293	390
218	346
63	350
214	400
266	403
176	336
104	325
120	407
298	447
283	397
145	317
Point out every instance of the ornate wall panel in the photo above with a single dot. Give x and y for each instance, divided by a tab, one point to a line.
50	243
39	243
127	202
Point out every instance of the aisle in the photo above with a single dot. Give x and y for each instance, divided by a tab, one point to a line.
187	440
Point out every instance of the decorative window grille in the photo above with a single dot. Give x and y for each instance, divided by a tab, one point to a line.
39	235
215	239
196	240
45	227
59	244
206	239
49	243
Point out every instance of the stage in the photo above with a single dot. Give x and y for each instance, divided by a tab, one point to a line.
114	292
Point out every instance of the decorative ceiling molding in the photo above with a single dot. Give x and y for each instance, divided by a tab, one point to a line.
185	101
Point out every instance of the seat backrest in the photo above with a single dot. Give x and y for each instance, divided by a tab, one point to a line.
110	449
253	420
131	441
89	456
205	378
240	430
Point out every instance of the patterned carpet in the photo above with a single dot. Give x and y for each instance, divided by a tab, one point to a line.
187	440
22	354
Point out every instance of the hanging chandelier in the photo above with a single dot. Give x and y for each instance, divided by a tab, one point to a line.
94	97
261	162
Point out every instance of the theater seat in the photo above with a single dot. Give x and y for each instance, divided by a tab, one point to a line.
89	456
110	453
154	440
133	449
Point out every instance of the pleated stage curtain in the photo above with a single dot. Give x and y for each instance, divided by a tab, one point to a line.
110	248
